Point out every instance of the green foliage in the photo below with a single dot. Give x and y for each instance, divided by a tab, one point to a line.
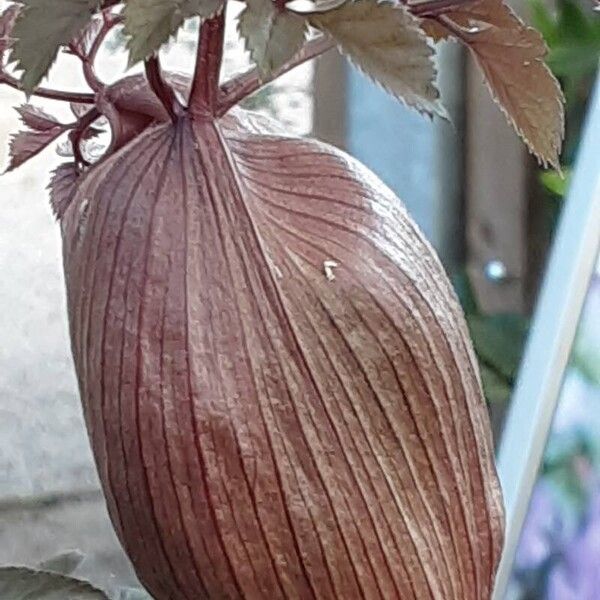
573	37
555	182
41	29
498	341
496	388
150	23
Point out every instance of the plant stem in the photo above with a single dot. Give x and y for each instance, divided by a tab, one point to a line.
452	27
247	83
78	132
205	91
162	90
431	8
88	63
80	98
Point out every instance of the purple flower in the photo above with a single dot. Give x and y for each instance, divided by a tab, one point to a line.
540	535
577	575
573	410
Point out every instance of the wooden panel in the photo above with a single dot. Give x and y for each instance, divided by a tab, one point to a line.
449	161
505	208
329	116
496	200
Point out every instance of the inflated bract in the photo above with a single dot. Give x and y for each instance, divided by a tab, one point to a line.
277	379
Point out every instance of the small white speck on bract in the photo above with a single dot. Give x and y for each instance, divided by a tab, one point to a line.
275	269
277	272
328	266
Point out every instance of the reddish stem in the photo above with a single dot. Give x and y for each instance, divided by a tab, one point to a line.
80	98
162	90
88	60
247	83
432	8
88	64
76	135
204	95
451	26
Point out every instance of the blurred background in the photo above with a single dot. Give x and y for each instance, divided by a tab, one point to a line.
479	197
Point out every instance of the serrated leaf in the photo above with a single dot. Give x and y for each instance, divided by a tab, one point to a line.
272	35
386	42
36	118
62	188
511	57
26	144
7	22
65	562
22	583
41	28
150	23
